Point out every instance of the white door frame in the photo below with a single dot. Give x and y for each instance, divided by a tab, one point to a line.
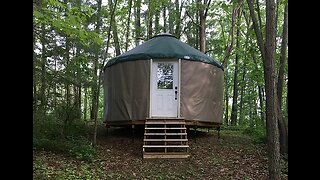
178	83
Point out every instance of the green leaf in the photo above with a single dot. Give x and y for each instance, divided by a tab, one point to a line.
38	14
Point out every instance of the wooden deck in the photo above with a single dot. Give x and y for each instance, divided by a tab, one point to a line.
188	123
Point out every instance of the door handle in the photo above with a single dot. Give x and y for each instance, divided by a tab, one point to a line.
175	93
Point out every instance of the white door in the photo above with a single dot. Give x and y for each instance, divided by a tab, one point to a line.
164	89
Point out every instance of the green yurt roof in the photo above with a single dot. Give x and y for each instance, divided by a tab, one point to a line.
163	46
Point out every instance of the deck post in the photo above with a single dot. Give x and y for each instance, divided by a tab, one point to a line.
195	133
107	132
132	128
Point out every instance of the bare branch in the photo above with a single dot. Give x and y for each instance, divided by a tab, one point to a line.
229	48
198	25
207	7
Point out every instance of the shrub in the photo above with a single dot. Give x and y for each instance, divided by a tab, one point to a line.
258	133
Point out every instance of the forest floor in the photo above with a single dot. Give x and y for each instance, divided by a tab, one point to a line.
233	156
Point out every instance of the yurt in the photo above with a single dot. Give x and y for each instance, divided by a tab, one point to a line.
163	78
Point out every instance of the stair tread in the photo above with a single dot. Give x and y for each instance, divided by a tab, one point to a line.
150	146
165	122
146	134
165	128
165	140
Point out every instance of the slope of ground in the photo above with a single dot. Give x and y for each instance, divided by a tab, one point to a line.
233	156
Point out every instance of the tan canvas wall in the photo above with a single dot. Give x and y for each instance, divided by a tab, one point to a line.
201	92
127	97
128	94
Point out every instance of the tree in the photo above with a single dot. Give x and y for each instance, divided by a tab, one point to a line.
271	95
282	125
203	12
137	27
234	111
128	24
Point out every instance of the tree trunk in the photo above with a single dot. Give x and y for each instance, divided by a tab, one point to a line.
257	29
269	72
202	35
287	97
177	21
150	14
234	111
137	22
241	94
197	27
115	32
34	74
171	18
68	98
85	103
283	56
226	117
282	124
55	86
156	23
262	111
260	91
43	101
259	15
128	24
95	95
235	13
101	68
203	11
164	14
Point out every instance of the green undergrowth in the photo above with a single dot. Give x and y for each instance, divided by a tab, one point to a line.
51	135
257	133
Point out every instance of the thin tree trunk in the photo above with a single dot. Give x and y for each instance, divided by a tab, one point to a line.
277	15
234	111
259	14
203	12
156	23
137	22
255	108
235	13
244	69
226	117
171	18
283	56
101	68
34	74
68	99
164	14
95	95
287	97
43	71
257	30
177	21
95	91
85	104
282	124
128	24
197	27
149	21
55	86
271	95
260	91
241	93
115	33
262	111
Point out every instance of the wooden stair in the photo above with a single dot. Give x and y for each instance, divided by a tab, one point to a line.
165	138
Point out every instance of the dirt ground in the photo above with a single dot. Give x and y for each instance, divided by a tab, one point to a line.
233	156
